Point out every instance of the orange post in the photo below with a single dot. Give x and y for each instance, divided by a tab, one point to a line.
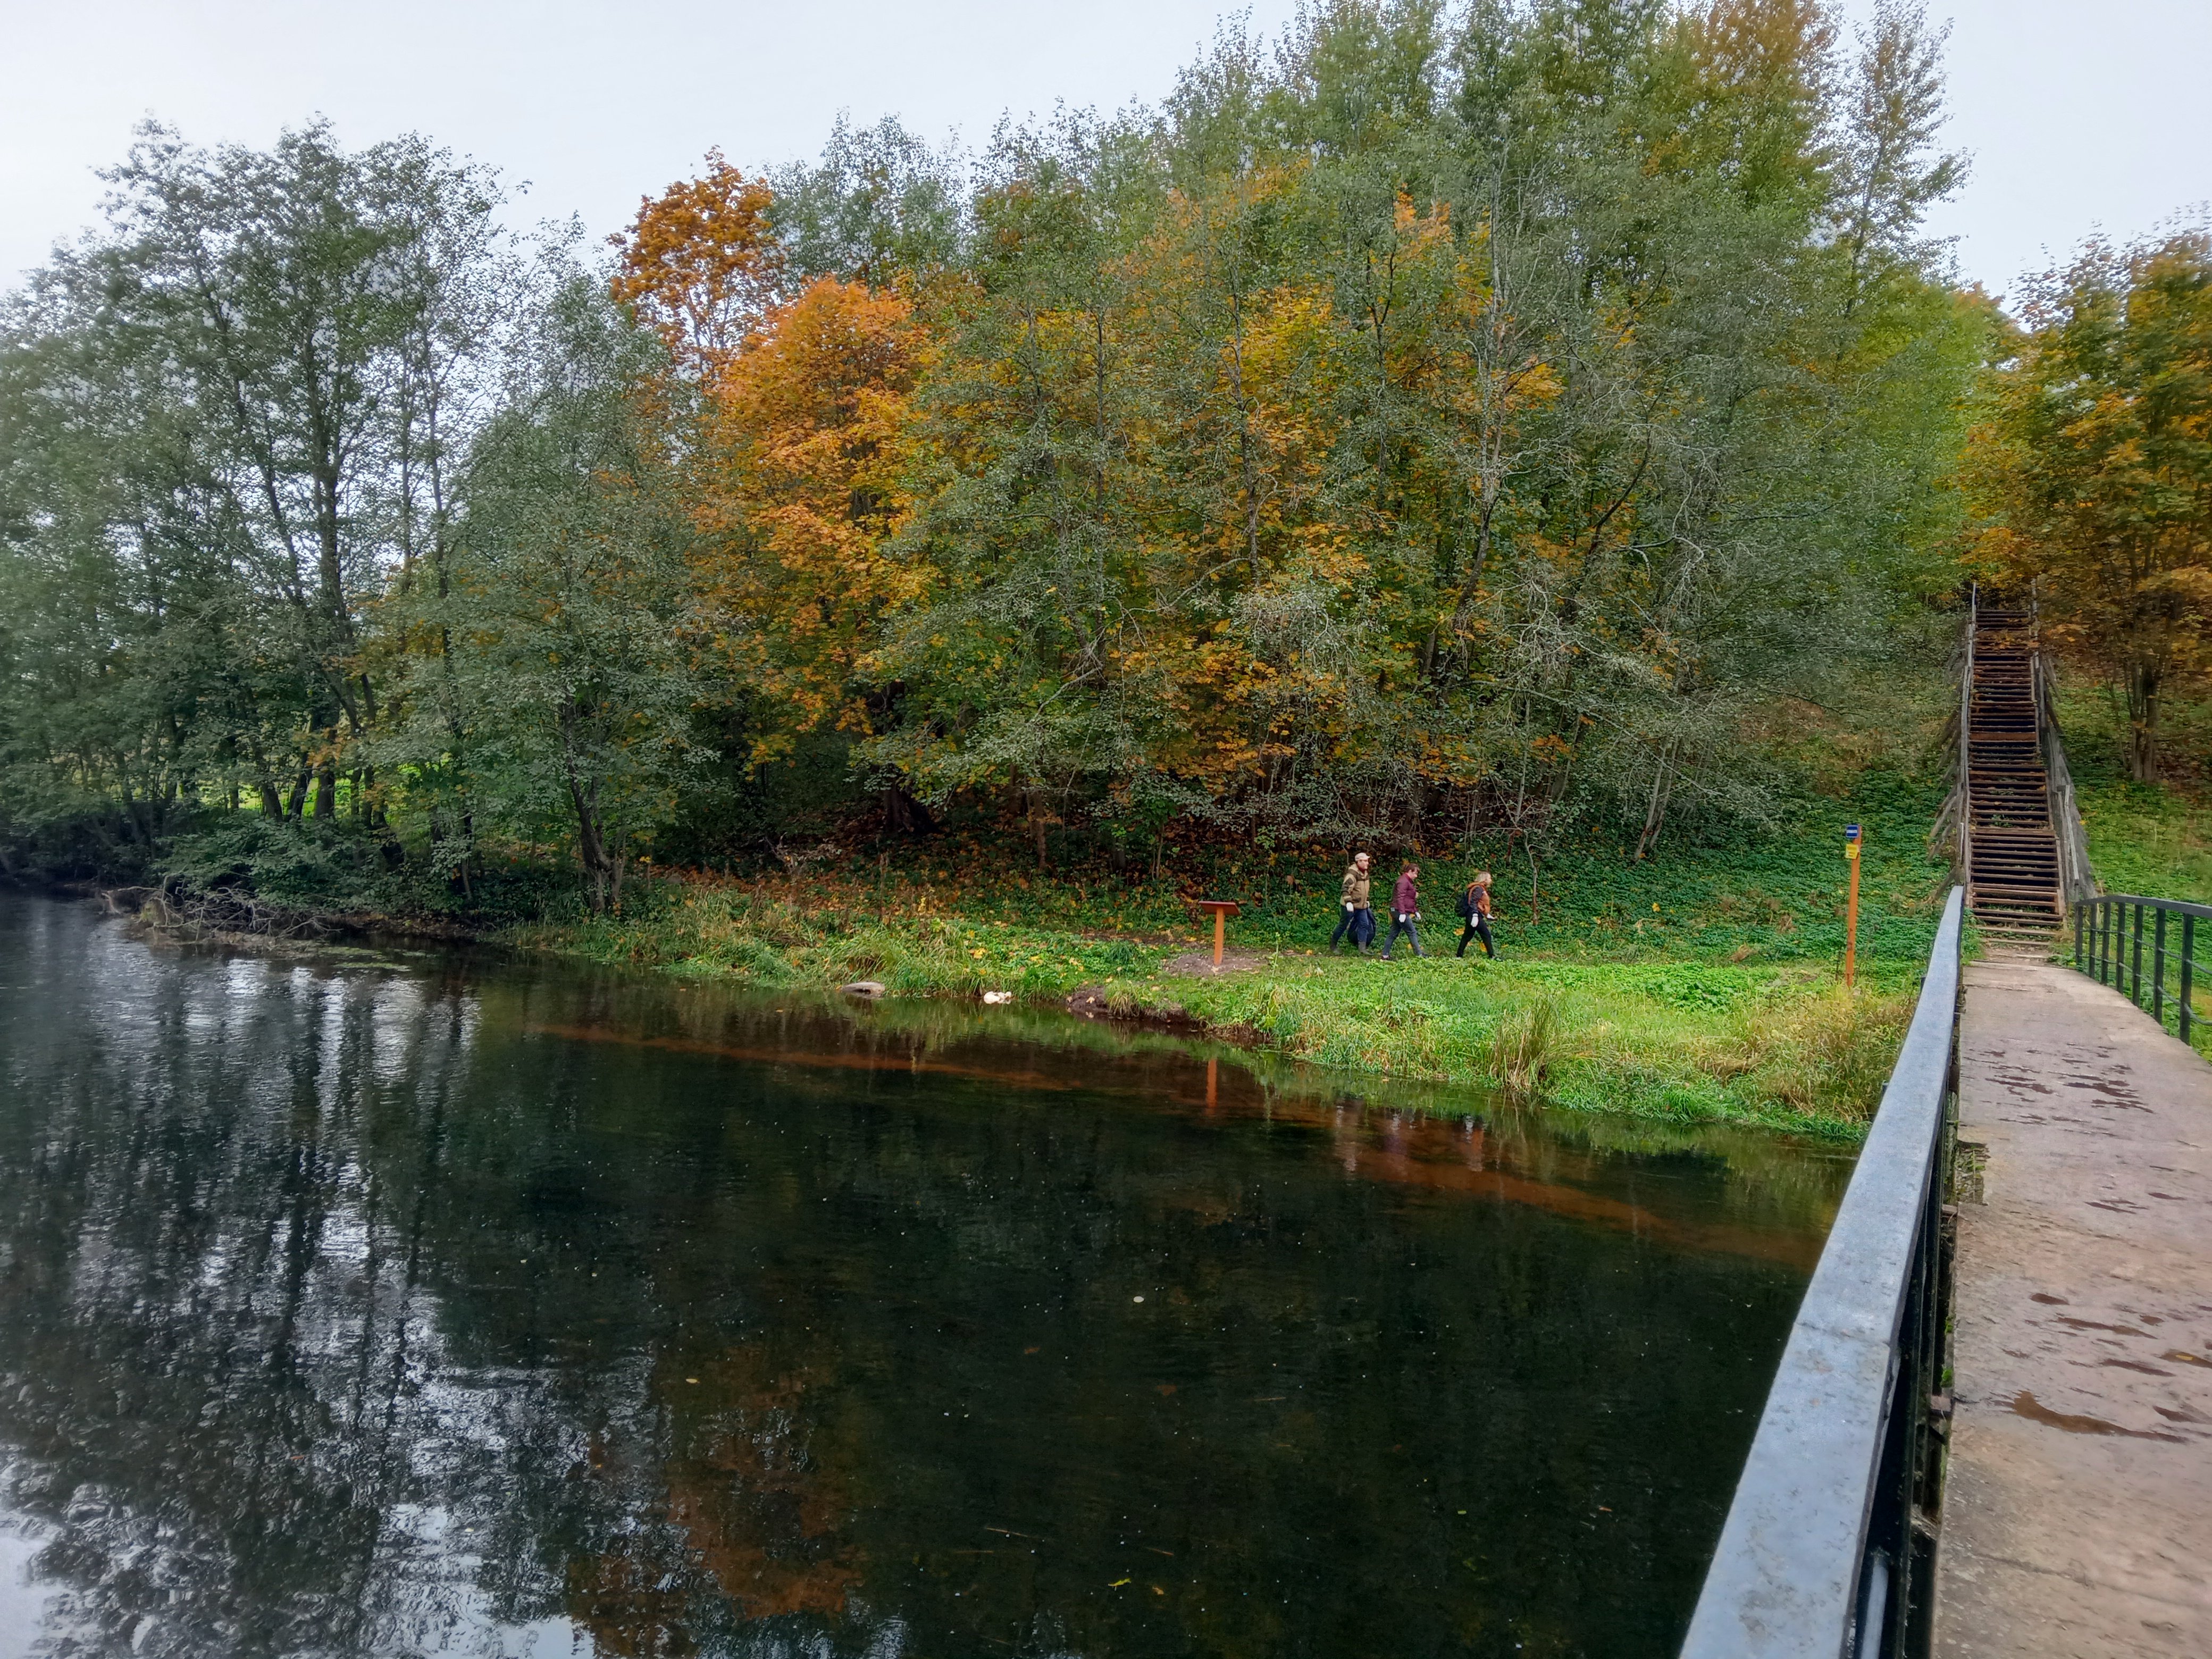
1851	843
1223	909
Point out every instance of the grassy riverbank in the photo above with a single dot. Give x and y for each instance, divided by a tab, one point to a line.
2151	838
1702	985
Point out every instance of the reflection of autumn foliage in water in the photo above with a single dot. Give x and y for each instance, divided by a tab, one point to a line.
1409	1148
746	1501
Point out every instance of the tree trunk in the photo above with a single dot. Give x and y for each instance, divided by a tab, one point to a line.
272	798
1655	815
2144	710
905	815
591	847
327	791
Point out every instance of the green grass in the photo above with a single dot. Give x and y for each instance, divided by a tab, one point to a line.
2148	838
1778	1044
1704	984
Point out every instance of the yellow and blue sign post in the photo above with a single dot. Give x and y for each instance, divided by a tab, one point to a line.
1851	839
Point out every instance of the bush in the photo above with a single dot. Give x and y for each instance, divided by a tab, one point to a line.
309	864
1522	1045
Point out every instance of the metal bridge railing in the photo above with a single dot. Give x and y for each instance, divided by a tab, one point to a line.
2111	947
1829	1546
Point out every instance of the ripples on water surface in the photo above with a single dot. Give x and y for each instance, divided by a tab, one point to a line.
418	1305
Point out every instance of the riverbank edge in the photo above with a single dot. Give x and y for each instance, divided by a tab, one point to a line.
1520	1040
1521	1050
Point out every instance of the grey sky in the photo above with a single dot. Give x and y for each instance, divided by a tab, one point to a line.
2078	116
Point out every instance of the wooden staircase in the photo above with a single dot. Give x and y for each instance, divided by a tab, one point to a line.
2013	885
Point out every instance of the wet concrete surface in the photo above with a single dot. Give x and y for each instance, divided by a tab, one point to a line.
2077	1519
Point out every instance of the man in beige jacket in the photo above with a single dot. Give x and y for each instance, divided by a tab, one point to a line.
1358	915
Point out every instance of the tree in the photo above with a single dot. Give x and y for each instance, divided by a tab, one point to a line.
1444	415
701	263
1891	172
1015	674
577	660
805	485
2092	467
231	417
879	206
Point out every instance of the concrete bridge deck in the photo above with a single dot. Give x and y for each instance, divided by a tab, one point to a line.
2077	1519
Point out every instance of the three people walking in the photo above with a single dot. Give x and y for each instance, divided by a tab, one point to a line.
1356	916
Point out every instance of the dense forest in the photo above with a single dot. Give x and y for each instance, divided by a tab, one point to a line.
1442	418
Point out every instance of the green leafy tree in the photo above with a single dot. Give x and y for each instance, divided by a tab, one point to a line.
570	611
231	417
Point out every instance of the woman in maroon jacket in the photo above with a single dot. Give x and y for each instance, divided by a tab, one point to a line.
1405	911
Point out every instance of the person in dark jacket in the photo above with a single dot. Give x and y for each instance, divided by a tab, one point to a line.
1356	918
1474	910
1405	911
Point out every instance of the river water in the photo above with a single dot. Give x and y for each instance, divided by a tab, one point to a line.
417	1305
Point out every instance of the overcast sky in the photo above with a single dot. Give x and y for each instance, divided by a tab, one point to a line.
2079	117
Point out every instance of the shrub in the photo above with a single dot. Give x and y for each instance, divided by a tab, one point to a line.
1522	1046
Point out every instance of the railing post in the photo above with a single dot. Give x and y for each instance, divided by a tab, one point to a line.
2078	909
2188	964
1966	742
2135	994
2158	973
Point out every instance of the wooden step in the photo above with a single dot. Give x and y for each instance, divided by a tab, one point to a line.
2012	878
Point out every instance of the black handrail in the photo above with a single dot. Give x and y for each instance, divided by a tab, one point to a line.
2111	951
1829	1546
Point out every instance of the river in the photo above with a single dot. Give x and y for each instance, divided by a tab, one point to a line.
408	1302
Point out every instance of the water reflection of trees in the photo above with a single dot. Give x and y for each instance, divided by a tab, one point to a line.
344	1315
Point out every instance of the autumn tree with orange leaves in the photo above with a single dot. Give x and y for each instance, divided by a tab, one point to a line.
803	488
799	474
701	263
2092	470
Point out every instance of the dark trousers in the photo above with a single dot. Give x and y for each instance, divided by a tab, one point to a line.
1477	927
1360	924
1402	924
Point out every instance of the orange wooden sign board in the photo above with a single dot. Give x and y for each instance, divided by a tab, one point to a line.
1223	909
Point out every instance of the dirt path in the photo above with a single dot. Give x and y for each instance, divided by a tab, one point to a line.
2078	1515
